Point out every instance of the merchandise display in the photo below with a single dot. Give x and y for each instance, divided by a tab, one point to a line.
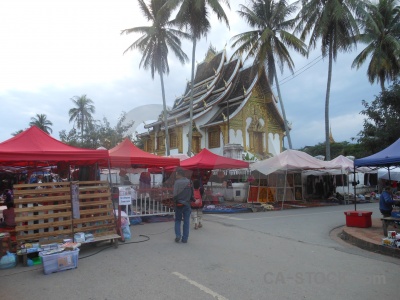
45	251
392	239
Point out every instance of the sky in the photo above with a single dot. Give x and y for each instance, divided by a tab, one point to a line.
54	50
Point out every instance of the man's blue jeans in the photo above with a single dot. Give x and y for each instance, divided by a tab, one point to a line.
185	212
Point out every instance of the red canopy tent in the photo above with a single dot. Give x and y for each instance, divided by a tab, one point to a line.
126	154
206	160
34	147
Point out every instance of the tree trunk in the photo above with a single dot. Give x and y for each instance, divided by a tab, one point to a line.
82	119
382	82
328	91
283	110
189	153
165	115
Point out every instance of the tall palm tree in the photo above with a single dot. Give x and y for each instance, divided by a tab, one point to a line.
269	39
193	16
82	112
42	122
154	45
381	33
333	23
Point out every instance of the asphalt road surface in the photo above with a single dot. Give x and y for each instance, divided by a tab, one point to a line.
288	254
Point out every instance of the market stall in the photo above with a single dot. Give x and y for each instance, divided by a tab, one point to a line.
388	158
201	165
280	178
50	211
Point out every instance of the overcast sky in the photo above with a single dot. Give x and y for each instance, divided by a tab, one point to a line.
54	50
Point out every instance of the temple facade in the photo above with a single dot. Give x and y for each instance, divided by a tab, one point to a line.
231	105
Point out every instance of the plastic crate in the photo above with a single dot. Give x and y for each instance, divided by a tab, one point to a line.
62	261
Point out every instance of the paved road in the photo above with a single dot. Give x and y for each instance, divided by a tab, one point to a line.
270	255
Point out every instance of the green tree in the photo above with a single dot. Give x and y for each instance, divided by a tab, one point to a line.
193	16
380	128
81	114
17	132
99	134
340	148
269	39
71	138
154	45
381	33
42	122
110	137
334	24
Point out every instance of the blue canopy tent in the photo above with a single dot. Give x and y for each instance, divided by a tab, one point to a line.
388	157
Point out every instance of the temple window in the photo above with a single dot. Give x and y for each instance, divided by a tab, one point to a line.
160	142
173	140
196	141
148	145
214	140
258	142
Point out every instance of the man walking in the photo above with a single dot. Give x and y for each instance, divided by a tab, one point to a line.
182	198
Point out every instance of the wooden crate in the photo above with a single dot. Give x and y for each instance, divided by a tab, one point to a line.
44	211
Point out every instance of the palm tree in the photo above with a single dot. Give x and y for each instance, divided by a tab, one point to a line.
82	113
381	34
334	23
193	16
268	40
154	45
42	122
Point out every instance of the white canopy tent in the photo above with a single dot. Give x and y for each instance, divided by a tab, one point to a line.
343	166
392	174
291	161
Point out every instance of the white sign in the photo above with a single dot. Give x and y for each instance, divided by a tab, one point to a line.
125	195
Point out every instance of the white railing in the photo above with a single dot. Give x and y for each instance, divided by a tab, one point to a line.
150	202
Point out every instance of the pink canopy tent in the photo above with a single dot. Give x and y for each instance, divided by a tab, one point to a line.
34	147
345	163
126	155
206	160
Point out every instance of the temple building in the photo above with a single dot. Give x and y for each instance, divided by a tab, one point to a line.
232	104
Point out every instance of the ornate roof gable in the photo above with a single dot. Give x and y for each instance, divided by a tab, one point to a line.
222	83
244	85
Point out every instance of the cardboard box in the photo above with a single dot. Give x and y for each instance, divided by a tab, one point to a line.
387	242
59	261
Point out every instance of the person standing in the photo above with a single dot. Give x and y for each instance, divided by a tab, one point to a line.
386	202
197	206
9	216
182	198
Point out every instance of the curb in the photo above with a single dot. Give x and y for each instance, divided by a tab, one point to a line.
385	250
